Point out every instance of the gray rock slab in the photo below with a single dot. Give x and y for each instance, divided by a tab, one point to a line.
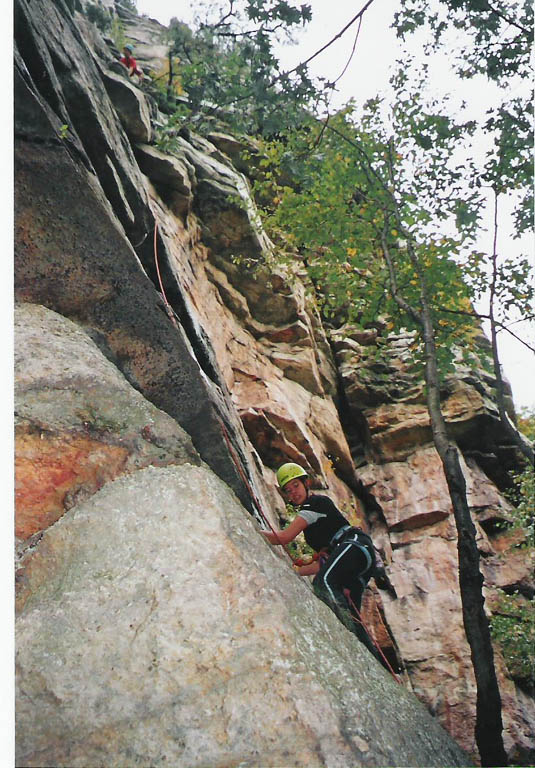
131	106
72	256
65	72
159	628
64	383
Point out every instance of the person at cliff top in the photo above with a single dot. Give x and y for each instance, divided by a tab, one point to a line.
347	555
128	60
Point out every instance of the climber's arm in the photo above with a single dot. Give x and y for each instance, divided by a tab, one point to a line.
288	534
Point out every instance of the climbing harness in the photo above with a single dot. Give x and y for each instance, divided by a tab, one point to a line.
259	513
340	533
355	614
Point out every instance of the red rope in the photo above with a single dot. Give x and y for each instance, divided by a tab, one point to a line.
295	561
167	305
358	618
243	476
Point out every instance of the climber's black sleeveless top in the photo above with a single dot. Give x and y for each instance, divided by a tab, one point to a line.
324	520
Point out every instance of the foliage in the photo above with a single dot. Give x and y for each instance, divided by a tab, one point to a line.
513	622
228	68
513	628
526	422
100	16
495	41
167	136
510	166
298	547
355	190
167	79
523	497
117	33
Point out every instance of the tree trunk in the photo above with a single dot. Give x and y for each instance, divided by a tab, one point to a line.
170	76
489	726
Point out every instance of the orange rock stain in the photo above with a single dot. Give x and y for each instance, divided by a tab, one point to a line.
51	469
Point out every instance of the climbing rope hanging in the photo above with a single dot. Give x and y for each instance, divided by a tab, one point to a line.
168	307
258	507
356	615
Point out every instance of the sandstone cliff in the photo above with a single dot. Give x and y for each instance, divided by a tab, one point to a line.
155	626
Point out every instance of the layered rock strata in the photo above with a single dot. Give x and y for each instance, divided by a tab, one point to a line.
154	335
416	526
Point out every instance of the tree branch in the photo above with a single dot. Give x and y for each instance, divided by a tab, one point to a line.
483	316
336	37
310	58
507	20
222	20
400	301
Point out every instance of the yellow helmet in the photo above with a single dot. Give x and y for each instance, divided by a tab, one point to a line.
288	472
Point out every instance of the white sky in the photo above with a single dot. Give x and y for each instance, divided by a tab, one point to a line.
368	74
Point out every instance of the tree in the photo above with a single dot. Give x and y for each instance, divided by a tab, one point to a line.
228	68
495	40
358	192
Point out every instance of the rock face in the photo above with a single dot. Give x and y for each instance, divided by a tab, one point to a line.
161	361
79	423
417	530
174	636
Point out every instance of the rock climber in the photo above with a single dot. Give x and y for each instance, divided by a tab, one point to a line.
346	554
130	63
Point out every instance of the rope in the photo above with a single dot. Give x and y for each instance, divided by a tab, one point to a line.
297	561
257	504
237	463
358	618
168	307
235	459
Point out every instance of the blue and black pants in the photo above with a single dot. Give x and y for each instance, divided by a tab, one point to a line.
349	566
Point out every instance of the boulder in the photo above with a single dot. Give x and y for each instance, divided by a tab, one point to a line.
79	423
158	628
131	106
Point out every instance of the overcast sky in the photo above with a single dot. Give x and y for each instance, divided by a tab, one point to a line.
368	73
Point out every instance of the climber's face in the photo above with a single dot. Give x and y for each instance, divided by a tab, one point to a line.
295	491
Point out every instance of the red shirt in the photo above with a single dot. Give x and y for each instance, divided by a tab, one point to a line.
131	63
